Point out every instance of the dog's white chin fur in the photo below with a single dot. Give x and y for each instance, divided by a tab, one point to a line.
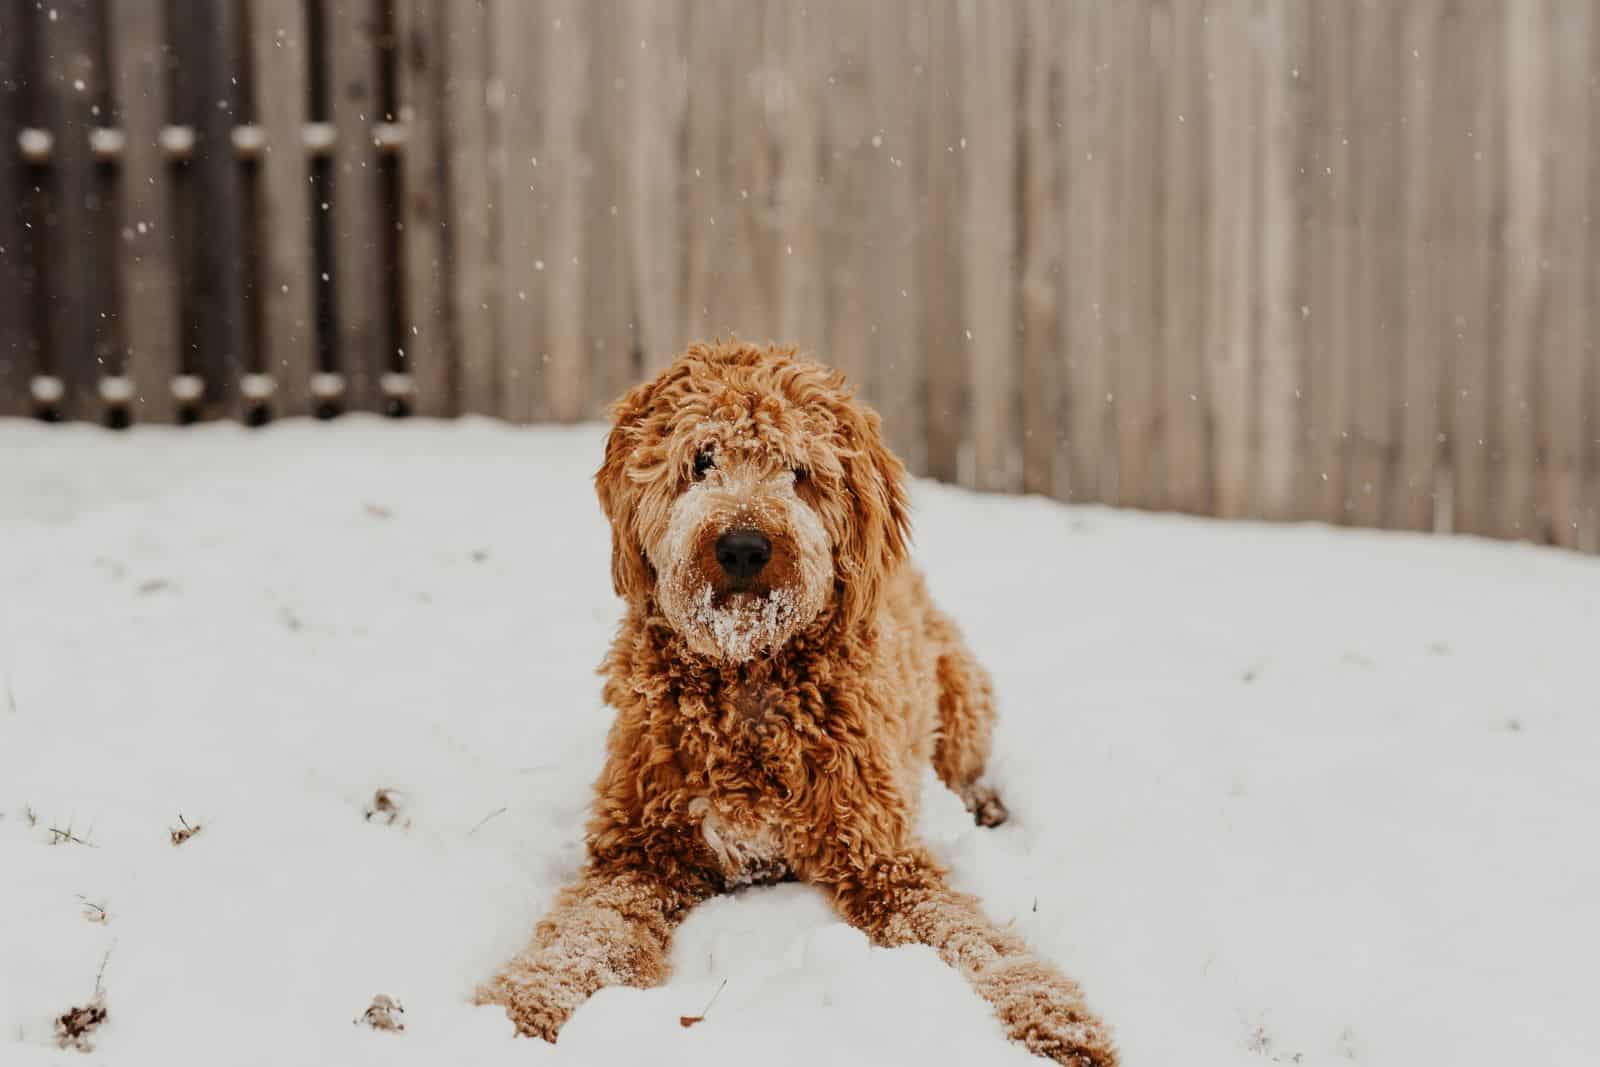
743	625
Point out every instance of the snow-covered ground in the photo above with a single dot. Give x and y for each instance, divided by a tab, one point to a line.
1282	795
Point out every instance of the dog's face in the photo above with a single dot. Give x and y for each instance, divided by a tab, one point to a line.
748	495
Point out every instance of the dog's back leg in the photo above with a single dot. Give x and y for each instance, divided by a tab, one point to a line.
966	725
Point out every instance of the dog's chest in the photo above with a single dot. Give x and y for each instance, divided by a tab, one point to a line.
752	701
748	766
747	849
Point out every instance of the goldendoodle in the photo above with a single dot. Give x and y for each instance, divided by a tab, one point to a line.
780	681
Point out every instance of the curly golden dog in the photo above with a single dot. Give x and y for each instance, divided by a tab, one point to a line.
781	679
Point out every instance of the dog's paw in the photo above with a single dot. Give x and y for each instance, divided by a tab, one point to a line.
985	805
538	1003
1045	1011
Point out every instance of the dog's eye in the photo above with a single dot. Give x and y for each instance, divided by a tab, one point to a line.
703	462
800	475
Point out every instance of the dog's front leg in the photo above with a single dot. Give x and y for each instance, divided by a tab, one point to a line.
903	899
613	927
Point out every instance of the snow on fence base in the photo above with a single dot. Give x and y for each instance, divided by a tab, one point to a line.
1294	261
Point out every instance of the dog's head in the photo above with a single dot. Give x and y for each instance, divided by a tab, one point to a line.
748	495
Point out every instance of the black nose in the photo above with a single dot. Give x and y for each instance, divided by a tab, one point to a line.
743	553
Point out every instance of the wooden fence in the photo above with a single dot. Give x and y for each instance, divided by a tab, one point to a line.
1286	258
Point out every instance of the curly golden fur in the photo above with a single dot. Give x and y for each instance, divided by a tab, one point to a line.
775	725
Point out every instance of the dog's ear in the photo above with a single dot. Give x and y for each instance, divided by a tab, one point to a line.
631	574
880	521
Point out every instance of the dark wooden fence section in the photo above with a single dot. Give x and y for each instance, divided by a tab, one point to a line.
1284	258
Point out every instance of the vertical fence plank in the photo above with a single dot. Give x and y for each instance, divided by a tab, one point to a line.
1234	76
715	260
1471	84
148	250
1307	191
1413	490
517	33
562	210
1376	160
1453	240
1564	345
1280	114
894	153
801	47
1589	523
611	316
991	38
1042	206
207	49
944	262
425	331
360	283
1232	256
473	284
657	90
16	330
701	173
846	209
1203	52
69	81
281	52
1331	230
1134	269
1522	274
1092	143
751	171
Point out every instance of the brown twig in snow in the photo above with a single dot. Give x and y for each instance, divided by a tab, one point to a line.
99	976
388	804
383	1014
687	1021
486	818
61	837
184	831
75	1025
95	913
